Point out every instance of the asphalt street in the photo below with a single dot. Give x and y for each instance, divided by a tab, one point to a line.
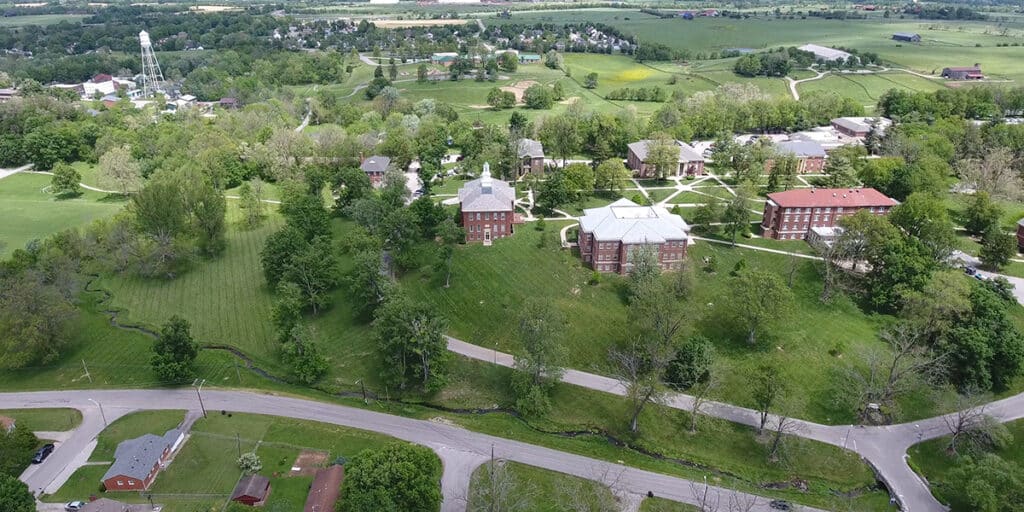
460	450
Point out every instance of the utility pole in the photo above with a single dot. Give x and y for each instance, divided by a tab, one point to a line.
104	416
238	443
198	384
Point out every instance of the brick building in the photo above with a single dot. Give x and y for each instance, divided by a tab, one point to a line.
608	235
488	208
810	155
789	215
138	461
691	163
531	156
375	167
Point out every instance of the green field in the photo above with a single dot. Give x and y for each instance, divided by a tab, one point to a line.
204	472
662	505
931	460
29	212
867	89
50	420
38	19
541	490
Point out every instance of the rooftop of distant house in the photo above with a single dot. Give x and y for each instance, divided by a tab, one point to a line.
831	197
376	164
530	148
135	458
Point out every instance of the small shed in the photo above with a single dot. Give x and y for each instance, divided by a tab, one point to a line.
326	488
252	490
907	37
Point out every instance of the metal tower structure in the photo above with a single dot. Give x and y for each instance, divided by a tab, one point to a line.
152	77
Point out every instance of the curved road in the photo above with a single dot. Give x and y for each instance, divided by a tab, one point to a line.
884	448
460	450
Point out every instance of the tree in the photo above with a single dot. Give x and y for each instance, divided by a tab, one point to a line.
981	213
314	268
971	430
392	70
758	299
610	175
277	253
303	356
840	172
497	489
590	82
926	218
561	136
411	342
508	61
174	352
305	212
555	191
767	389
987	483
118	166
209	208
250	463
997	247
782	175
537	365
538	97
17	447
369	281
499	99
250	196
557	91
691	364
287	309
994	173
65	181
354	184
646	269
35	318
662	155
421	73
553	59
708	212
639	366
397	477
736	216
450	234
15	495
580	178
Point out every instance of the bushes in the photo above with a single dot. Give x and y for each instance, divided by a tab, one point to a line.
655	93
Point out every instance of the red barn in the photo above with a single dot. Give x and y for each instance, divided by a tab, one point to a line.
252	490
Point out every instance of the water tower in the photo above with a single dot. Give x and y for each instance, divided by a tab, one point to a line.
152	78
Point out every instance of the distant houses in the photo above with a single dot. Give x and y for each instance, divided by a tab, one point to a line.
444	58
790	215
609	235
963	73
251	490
908	37
138	461
691	163
824	53
810	155
531	156
488	208
375	167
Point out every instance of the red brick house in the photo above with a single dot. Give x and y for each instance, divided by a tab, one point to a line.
608	236
789	215
375	167
138	461
531	156
251	490
488	208
691	163
810	155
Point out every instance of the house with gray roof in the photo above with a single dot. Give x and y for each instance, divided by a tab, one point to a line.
810	155
691	163
610	235
531	156
138	461
908	37
375	167
488	208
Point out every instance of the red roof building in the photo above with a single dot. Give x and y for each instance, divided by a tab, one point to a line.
789	215
324	491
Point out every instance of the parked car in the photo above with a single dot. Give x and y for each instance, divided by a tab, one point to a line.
979	276
74	506
780	505
42	453
969	270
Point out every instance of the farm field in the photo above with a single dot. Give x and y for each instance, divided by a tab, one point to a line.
50	420
29	212
38	19
866	89
204	471
931	460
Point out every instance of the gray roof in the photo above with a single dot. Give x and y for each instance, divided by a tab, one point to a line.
486	194
905	34
824	52
252	485
631	223
851	124
686	151
376	163
801	148
1020	222
109	505
530	148
135	458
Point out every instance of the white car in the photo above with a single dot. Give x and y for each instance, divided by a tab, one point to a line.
74	506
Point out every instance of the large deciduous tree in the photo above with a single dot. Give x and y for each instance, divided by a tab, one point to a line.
65	181
410	338
538	363
35	319
15	495
758	299
119	167
397	477
174	352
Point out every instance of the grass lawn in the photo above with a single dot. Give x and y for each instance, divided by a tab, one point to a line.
50	420
270	191
544	490
204	472
39	19
662	505
660	194
931	460
29	212
866	89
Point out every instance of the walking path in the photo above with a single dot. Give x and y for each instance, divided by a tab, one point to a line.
793	83
460	450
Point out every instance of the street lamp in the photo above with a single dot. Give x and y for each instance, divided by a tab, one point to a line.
104	416
198	384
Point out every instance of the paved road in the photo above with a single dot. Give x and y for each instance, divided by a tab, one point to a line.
460	450
883	447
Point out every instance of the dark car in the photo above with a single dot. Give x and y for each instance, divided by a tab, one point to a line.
970	270
43	453
780	505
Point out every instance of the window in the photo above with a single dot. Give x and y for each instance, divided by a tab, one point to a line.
120	483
